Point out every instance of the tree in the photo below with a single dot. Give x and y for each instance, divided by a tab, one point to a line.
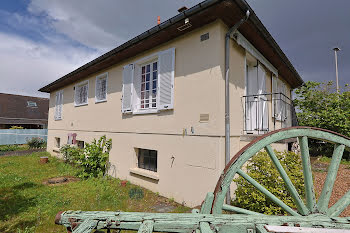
319	105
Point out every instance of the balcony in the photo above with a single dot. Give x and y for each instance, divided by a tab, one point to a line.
267	112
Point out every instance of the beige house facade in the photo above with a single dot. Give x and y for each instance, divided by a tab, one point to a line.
163	105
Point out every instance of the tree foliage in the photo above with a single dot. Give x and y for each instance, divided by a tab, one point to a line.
262	169
319	105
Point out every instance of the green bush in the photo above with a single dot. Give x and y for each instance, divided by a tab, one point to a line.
6	148
93	159
71	154
36	143
262	169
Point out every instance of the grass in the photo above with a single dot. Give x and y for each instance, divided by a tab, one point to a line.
28	205
325	159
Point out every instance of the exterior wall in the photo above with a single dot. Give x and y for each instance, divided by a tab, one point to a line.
189	161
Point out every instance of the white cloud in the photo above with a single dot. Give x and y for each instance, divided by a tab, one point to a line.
27	66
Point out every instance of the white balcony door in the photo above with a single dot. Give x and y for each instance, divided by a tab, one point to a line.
256	102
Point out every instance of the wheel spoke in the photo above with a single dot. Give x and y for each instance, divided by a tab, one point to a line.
267	193
291	188
239	210
309	187
341	205
331	176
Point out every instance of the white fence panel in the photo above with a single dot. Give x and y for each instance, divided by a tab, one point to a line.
20	136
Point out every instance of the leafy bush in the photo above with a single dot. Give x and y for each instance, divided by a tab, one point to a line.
5	148
71	154
262	169
95	160
36	143
319	105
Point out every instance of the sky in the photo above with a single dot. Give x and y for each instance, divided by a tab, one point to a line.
40	40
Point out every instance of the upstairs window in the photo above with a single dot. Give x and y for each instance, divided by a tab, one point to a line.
101	88
148	84
149	77
81	93
58	105
31	104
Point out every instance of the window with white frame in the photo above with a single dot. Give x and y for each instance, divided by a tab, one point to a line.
148	84
58	105
101	88
81	93
149	79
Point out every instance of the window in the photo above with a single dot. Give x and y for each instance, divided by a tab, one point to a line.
101	88
58	105
31	104
147	159
80	144
81	93
58	142
149	77
148	84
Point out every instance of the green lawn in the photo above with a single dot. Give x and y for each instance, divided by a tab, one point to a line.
28	205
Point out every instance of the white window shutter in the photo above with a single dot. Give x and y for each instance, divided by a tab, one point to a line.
166	79
261	79
56	105
60	104
274	96
127	88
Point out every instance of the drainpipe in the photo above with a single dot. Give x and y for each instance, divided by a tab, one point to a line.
228	36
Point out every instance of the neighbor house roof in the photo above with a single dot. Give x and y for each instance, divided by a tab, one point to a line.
229	11
19	109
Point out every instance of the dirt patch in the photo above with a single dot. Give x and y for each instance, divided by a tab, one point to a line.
341	185
60	180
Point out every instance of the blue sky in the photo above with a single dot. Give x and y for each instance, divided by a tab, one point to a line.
41	40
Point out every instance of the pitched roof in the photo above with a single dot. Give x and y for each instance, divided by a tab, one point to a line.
229	11
19	109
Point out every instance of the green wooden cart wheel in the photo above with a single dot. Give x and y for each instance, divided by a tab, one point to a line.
214	202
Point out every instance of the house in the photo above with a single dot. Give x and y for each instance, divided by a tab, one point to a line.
161	98
25	111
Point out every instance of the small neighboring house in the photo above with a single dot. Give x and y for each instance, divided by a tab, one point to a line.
25	111
161	98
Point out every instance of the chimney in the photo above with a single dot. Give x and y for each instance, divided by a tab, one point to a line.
158	20
182	9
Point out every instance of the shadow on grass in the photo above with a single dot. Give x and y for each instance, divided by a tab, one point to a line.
12	202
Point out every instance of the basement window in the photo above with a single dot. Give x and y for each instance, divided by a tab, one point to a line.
57	142
147	159
81	144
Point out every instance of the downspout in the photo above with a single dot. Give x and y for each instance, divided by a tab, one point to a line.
228	36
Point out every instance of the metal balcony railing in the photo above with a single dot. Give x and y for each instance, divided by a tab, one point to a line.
266	112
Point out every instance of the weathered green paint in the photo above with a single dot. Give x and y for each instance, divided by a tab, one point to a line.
188	222
309	187
326	193
146	227
239	210
292	190
267	193
86	226
207	204
205	227
340	205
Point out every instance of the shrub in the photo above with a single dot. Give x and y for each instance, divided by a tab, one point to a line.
71	154
262	169
6	148
36	143
95	160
